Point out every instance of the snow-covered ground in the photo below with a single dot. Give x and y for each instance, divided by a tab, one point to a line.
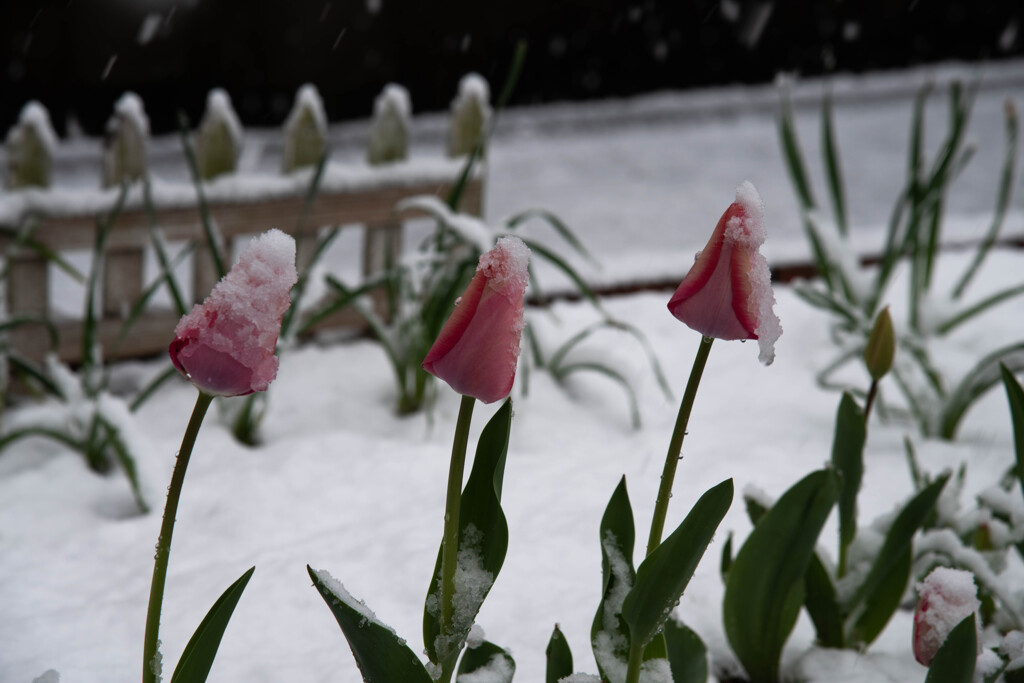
344	485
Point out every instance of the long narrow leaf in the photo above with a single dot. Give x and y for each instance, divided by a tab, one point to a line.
664	574
792	153
568	270
609	634
559	657
765	587
848	460
982	377
559	226
381	655
978	308
833	168
1015	397
103	227
213	239
562	371
1003	195
687	654
871	605
822	604
487	662
955	660
156	239
196	660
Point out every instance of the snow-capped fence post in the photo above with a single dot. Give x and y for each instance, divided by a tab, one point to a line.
470	115
124	149
305	131
389	143
31	144
219	138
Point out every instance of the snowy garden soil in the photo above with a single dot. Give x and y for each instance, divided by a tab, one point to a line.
342	484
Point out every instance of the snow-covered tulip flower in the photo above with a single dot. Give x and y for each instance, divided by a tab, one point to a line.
225	346
946	597
478	347
728	294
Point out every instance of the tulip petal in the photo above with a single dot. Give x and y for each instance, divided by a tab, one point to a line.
478	347
727	293
225	346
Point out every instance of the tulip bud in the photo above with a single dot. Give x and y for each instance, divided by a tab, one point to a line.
728	293
947	597
478	347
881	346
225	346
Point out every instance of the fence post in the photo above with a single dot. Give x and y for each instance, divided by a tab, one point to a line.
388	143
219	138
124	149
122	281
305	131
470	115
31	145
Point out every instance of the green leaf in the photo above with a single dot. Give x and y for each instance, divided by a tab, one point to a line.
687	655
487	660
381	655
1015	395
882	603
874	603
848	461
483	532
765	586
663	575
823	605
611	373
609	634
955	660
559	657
1005	191
833	168
555	222
982	377
196	660
726	562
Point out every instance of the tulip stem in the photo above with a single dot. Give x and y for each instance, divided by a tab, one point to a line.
150	661
872	394
675	446
453	503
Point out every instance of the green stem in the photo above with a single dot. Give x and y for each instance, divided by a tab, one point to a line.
636	660
872	393
453	503
163	544
675	446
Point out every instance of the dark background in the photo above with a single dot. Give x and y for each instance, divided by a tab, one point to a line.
78	56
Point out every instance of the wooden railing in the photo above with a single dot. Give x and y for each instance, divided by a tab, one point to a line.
351	197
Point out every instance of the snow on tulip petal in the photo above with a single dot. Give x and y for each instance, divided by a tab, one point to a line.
225	346
478	348
728	294
947	597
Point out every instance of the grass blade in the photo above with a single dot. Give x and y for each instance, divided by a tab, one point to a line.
833	168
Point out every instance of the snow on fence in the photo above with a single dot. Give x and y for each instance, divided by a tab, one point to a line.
66	219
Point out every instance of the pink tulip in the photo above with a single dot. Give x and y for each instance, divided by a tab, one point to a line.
728	294
478	348
225	346
947	597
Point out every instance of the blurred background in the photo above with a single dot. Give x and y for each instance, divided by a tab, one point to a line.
79	56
